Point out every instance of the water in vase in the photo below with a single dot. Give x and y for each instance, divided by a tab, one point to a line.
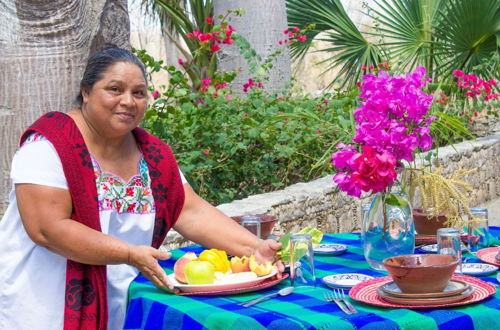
396	238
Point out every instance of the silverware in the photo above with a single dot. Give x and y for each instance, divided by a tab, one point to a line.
347	302
283	292
330	297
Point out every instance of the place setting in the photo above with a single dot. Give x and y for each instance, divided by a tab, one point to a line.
406	287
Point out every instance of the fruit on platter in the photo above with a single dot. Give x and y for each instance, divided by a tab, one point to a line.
261	269
180	265
199	272
239	265
218	258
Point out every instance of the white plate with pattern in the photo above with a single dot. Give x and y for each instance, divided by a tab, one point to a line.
432	248
330	249
476	269
344	281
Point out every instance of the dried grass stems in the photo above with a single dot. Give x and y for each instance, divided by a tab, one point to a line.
441	195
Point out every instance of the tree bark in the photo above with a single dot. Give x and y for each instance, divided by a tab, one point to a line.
262	26
44	46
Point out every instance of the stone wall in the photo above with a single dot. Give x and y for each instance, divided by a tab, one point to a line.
318	204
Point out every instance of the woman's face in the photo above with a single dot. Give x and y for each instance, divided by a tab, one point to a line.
115	104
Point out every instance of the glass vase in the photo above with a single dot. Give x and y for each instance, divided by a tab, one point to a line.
388	228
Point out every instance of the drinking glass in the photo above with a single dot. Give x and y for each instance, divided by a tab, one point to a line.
252	224
448	242
478	229
302	260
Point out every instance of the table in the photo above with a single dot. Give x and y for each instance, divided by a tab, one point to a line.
150	308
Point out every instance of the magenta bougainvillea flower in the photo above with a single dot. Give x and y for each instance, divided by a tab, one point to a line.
391	124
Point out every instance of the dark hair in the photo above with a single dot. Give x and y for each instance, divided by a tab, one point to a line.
101	60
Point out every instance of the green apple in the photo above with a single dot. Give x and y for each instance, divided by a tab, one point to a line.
199	272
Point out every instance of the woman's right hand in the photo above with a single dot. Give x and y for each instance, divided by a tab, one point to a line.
145	259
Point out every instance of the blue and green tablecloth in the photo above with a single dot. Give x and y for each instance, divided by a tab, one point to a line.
150	308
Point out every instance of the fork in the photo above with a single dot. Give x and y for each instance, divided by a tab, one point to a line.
329	297
347	302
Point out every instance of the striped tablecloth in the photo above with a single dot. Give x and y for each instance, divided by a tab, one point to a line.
150	308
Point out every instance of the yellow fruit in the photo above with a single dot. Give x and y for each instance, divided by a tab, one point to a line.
239	265
261	269
218	258
199	272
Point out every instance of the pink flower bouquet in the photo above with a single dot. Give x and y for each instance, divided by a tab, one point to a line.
391	124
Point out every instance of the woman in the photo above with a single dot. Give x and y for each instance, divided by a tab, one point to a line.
93	198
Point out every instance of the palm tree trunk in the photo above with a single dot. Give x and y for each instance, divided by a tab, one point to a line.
43	49
262	26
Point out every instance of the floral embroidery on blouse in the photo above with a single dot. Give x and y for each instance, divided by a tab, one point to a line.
124	197
114	193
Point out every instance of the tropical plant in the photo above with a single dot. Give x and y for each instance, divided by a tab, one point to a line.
230	147
330	22
441	35
190	25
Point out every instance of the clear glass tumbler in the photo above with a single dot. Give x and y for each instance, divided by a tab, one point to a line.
252	224
449	242
478	229
302	260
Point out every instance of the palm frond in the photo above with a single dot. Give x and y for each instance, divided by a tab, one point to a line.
332	24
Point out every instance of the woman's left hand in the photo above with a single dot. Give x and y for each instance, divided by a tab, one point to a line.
266	251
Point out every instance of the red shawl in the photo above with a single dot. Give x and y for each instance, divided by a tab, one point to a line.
85	300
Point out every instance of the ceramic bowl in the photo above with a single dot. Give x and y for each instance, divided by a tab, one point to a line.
267	223
421	273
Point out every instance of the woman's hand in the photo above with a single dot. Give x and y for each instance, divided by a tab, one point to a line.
145	259
266	251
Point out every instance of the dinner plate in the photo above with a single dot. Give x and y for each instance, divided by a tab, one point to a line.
432	248
454	287
425	301
489	255
220	287
476	269
330	249
366	292
344	281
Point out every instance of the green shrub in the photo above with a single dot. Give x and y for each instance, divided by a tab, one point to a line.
229	148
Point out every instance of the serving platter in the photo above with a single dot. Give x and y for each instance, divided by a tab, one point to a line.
330	249
453	288
344	281
366	292
222	288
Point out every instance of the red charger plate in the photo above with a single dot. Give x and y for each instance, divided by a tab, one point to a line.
488	255
366	292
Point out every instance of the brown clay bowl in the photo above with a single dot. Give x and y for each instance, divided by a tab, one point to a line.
421	273
425	225
266	224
